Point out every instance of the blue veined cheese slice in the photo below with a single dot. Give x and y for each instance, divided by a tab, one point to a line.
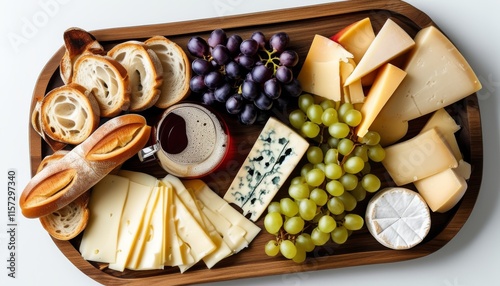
269	163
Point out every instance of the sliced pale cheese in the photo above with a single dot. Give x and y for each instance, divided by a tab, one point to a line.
390	42
131	222
152	256
100	237
398	218
139	177
442	191
144	232
236	230
446	127
174	247
438	76
388	79
320	73
221	250
422	156
192	234
272	158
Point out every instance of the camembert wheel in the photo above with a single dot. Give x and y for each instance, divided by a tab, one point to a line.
398	218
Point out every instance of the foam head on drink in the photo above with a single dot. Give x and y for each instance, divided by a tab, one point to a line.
193	141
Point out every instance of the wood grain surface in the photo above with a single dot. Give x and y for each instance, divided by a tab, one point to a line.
301	24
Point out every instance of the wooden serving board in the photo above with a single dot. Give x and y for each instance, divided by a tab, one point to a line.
301	24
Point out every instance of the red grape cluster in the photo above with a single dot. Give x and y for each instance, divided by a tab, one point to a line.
247	76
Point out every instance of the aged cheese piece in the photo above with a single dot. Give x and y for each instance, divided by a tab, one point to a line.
464	169
398	218
320	73
422	156
356	38
131	222
442	191
446	127
353	93
271	160
440	76
390	42
106	206
236	230
388	79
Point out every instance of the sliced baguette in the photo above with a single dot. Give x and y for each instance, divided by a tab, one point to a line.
36	123
77	42
69	114
69	221
176	70
107	79
61	182
144	70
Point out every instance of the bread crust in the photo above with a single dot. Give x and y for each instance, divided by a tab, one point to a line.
60	183
176	70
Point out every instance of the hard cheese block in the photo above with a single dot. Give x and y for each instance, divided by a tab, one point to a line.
272	158
438	75
320	73
422	156
398	218
390	42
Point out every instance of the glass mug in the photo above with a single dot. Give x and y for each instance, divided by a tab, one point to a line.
189	141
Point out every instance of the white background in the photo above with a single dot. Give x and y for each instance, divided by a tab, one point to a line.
471	258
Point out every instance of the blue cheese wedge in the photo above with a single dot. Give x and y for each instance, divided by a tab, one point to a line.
271	160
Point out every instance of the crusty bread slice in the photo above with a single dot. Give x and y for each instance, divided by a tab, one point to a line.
77	42
107	79
69	114
36	123
176	70
145	73
69	221
60	183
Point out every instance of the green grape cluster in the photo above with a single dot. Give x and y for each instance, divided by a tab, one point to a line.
337	175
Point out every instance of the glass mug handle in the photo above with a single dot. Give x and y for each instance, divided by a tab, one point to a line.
148	154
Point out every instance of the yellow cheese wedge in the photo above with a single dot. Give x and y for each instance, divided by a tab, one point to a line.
100	237
390	42
356	38
422	156
388	79
354	92
442	191
398	218
320	73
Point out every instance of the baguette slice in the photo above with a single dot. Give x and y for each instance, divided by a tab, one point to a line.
69	221
36	123
144	71
61	182
69	114
107	79
176	70
77	42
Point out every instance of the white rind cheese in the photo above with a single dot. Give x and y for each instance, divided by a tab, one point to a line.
398	218
271	160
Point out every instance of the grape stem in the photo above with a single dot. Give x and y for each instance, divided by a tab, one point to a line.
270	59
